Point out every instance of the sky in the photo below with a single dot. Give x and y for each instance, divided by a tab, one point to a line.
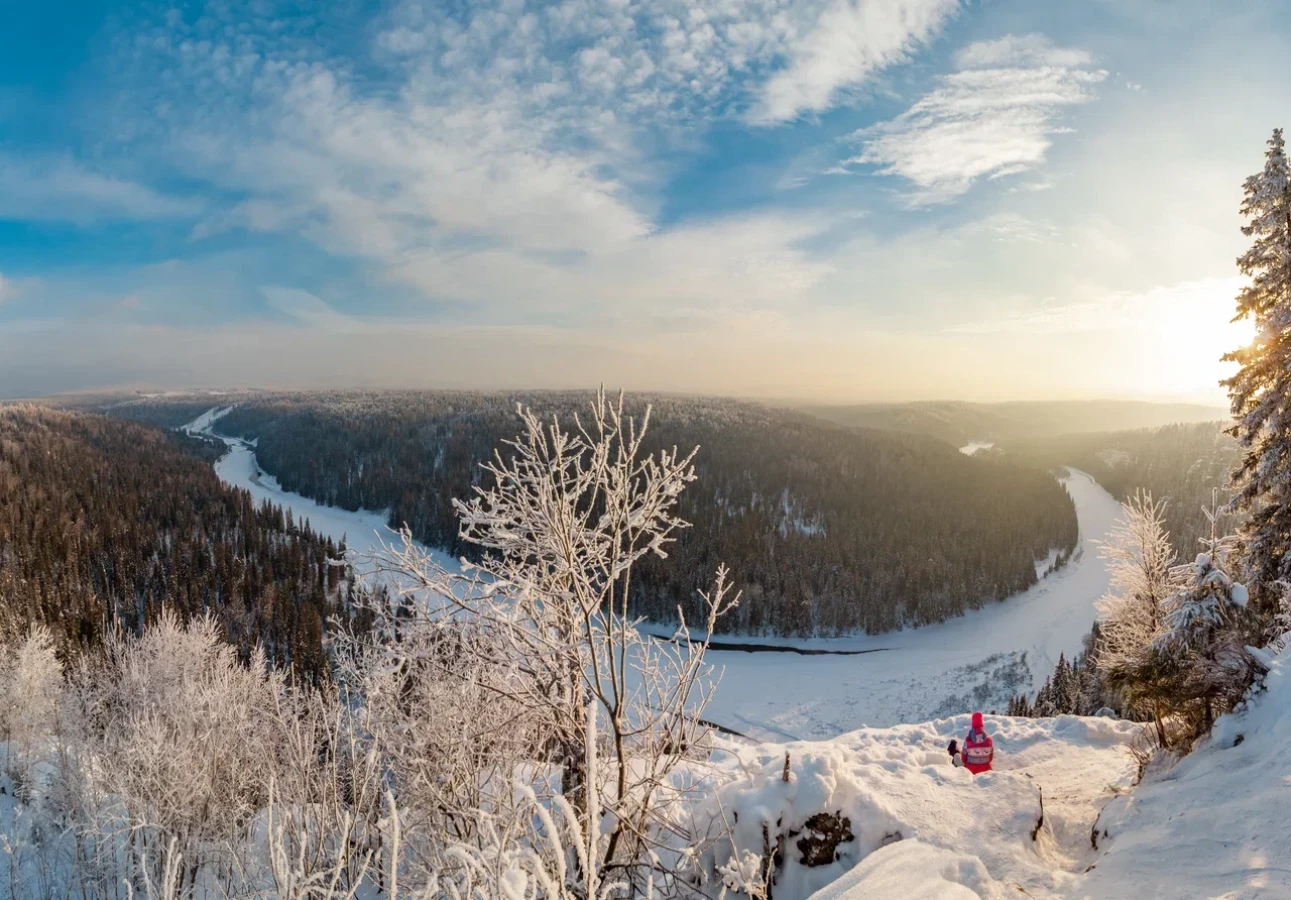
826	200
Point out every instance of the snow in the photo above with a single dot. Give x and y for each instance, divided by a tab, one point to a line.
924	828
1240	595
914	869
973	447
1043	564
1216	824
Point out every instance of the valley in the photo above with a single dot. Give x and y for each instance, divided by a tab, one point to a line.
976	660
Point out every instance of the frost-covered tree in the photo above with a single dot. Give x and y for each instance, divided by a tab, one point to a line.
184	741
1204	634
31	692
1261	389
542	627
1143	579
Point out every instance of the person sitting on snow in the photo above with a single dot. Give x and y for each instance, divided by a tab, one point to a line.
956	759
979	749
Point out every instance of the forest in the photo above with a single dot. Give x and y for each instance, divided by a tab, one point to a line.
105	524
959	422
1187	466
830	529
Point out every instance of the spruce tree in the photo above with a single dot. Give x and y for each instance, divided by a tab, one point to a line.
1261	390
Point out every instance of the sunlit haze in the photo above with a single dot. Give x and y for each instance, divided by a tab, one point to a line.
837	200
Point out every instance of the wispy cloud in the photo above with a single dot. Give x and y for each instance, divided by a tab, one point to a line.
506	160
313	312
61	189
852	40
992	118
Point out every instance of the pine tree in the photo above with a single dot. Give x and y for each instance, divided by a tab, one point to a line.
1261	390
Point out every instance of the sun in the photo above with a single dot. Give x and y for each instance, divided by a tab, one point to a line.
1196	330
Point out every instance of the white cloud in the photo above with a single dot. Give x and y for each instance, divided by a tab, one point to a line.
993	118
1020	50
63	190
508	162
851	41
309	310
8	290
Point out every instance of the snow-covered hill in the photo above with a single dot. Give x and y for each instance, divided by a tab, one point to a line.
1215	825
920	822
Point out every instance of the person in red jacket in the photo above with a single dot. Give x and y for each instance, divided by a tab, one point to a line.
978	748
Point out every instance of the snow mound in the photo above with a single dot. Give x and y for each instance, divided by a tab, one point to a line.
896	786
915	869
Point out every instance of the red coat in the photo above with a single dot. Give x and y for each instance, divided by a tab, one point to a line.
978	750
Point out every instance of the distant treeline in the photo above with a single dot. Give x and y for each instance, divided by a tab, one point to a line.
1184	465
103	523
827	529
958	423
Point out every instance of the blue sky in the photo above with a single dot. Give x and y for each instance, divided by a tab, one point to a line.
828	199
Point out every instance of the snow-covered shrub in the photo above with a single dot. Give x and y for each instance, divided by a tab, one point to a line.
31	694
182	744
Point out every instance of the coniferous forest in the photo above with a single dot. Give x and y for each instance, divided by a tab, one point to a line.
1187	466
831	529
107	523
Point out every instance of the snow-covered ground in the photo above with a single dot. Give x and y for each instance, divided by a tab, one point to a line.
1213	826
973	446
925	829
973	662
1218	823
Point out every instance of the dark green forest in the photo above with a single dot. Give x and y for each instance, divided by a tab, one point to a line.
828	529
104	523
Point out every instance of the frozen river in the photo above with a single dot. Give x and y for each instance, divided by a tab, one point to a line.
978	659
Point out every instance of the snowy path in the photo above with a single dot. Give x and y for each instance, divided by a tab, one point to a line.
774	695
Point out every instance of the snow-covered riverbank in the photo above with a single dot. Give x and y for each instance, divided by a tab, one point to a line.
363	531
975	661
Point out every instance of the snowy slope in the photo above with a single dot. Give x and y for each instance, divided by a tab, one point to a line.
921	825
1218	824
